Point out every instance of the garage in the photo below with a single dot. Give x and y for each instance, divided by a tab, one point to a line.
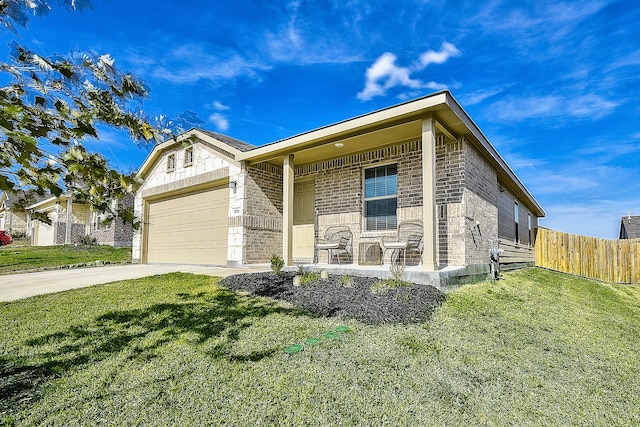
43	234
189	228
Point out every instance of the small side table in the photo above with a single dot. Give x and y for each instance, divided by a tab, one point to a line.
369	253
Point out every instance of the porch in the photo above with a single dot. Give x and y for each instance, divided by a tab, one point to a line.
446	278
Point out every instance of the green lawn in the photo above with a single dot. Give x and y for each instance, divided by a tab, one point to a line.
26	258
537	348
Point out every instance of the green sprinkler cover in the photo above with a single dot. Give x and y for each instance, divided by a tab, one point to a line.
293	348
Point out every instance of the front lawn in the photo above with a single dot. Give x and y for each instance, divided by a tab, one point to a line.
28	258
537	348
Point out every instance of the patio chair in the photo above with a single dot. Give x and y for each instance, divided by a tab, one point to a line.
337	238
408	238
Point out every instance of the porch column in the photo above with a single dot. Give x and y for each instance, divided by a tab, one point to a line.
429	218
67	234
287	209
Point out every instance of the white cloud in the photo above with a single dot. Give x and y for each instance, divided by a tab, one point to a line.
219	106
432	57
219	121
303	40
187	64
552	106
478	96
385	74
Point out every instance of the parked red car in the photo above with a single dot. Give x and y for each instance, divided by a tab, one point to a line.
5	238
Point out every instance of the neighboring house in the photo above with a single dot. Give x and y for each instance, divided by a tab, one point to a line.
210	199
630	227
116	233
69	221
11	219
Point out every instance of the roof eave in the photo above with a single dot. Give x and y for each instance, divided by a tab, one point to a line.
409	110
413	108
192	133
493	153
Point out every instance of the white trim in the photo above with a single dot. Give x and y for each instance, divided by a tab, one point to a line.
365	200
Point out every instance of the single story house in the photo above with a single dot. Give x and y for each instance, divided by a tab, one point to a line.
210	199
629	227
72	220
11	219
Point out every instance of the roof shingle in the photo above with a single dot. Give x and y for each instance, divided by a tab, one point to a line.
630	227
232	142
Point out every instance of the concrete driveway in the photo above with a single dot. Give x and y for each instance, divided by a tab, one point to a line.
23	285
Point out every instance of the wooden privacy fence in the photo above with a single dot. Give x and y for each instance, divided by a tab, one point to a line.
614	261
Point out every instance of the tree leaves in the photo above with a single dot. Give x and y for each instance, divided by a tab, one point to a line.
50	104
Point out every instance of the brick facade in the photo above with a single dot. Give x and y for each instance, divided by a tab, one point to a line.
339	189
262	217
467	199
118	233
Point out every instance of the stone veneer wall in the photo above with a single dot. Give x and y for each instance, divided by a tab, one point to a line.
15	222
209	165
262	217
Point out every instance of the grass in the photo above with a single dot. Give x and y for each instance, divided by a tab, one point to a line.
14	259
536	348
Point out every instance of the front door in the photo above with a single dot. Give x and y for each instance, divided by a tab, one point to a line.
303	220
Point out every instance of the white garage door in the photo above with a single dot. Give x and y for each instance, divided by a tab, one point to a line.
190	229
43	234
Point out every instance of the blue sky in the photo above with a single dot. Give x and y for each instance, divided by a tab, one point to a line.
555	86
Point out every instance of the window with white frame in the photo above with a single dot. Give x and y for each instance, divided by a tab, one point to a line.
381	197
171	162
188	156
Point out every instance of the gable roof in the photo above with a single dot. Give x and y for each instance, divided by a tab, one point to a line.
10	200
401	122
231	146
630	227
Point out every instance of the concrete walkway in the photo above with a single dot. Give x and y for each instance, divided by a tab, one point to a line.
23	285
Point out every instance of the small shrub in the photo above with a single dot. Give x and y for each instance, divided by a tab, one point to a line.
346	280
88	240
309	277
276	263
397	270
17	235
382	286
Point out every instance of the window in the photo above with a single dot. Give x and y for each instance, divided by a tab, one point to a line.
529	227
515	218
381	197
188	156
171	162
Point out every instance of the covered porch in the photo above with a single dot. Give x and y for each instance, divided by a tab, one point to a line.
331	162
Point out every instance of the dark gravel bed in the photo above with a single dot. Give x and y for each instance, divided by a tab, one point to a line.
331	297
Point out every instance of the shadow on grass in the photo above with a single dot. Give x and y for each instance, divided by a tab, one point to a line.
139	334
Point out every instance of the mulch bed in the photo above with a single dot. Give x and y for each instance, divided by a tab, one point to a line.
331	297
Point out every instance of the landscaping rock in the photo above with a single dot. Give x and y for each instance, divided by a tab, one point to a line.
347	299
